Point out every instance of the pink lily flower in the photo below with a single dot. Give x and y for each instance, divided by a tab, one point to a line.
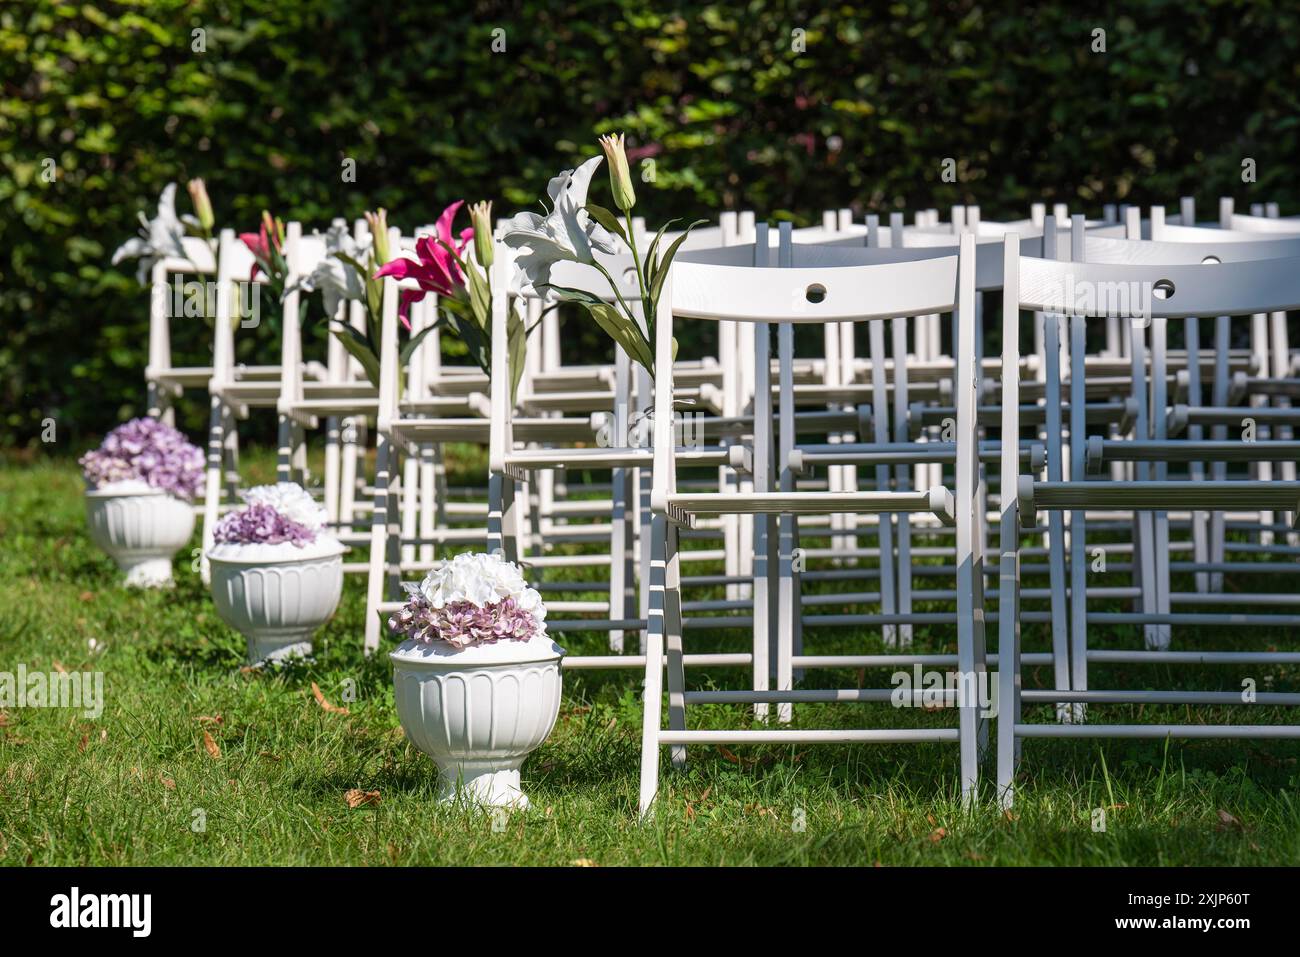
436	270
259	243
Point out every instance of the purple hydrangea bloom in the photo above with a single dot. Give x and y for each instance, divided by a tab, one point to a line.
463	623
260	525
149	451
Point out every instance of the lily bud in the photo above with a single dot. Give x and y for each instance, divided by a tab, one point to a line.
273	229
620	180
378	223
480	217
202	205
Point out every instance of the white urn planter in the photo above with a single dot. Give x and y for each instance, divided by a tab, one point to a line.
478	711
276	596
140	528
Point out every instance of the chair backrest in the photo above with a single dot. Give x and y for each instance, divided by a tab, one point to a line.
700	287
234	270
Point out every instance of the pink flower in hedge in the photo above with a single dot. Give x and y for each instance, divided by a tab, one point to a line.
436	270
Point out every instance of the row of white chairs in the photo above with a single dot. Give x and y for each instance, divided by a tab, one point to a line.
908	439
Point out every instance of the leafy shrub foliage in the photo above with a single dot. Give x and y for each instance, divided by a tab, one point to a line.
779	107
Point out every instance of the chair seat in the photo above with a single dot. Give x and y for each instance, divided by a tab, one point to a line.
937	500
1032	454
424	429
1102	450
1208	496
733	456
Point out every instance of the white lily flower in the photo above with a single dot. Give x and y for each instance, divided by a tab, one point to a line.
566	234
337	280
159	238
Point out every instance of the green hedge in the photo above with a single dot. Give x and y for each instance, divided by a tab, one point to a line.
865	114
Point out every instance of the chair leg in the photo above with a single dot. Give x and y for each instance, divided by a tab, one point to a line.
333	460
787	613
428	499
501	517
652	696
1008	659
301	473
378	545
212	484
393	536
410	505
673	641
284	450
230	461
153	400
620	552
348	475
645	537
766	612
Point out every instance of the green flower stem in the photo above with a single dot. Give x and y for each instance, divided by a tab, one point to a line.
614	286
646	306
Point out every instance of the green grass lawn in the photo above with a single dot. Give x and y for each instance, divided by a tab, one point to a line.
133	786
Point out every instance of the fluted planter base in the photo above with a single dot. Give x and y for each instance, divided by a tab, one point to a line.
482	782
276	596
478	712
273	648
140	530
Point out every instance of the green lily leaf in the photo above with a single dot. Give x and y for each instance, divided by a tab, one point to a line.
475	339
607	219
624	332
408	350
651	264
517	336
357	345
658	282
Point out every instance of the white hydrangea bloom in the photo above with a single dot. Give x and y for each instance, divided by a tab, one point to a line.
480	579
292	501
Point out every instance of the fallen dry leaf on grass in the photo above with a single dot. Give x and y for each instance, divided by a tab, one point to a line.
938	834
325	705
87	596
210	745
733	757
269	756
1228	823
584	862
359	798
4	719
81	745
58	666
167	782
210	719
